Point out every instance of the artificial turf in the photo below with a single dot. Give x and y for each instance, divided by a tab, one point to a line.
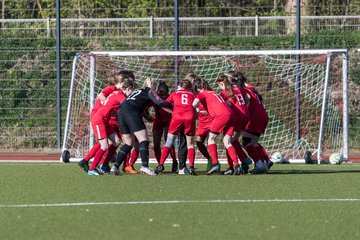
59	201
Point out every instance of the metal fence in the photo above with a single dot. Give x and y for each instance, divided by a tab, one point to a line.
27	67
189	26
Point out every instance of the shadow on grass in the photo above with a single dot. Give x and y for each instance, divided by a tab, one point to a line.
303	171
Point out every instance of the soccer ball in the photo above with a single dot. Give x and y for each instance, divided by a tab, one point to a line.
276	157
335	158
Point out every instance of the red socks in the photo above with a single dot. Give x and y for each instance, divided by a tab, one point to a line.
191	156
92	152
97	159
213	153
164	154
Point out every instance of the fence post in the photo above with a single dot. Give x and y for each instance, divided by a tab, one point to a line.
256	25
48	31
151	19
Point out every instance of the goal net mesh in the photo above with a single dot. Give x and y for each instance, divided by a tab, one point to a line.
274	76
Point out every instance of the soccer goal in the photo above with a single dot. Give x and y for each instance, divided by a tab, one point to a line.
304	92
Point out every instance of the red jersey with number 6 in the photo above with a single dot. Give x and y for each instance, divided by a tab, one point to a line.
183	112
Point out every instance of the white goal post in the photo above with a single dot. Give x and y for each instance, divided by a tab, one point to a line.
304	92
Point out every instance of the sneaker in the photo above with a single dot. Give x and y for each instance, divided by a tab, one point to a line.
209	165
147	171
269	164
160	168
174	167
131	170
99	171
115	171
105	168
84	165
192	171
184	171
259	168
244	168
248	160
229	171
93	173
237	170
215	168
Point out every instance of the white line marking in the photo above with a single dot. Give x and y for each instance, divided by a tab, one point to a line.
179	202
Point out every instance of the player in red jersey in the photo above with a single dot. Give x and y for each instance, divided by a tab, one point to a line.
101	98
202	132
222	121
255	128
100	122
184	116
238	100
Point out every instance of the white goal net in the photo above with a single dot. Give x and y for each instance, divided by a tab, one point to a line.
304	92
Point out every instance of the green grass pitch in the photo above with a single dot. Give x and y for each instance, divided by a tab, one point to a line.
59	201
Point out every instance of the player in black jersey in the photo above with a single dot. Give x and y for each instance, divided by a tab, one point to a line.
131	124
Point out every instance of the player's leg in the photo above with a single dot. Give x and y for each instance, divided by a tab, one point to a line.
212	147
165	152
175	164
123	152
191	154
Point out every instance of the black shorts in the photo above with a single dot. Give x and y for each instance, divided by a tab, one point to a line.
130	122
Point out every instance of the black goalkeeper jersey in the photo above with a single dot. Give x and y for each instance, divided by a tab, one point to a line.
139	99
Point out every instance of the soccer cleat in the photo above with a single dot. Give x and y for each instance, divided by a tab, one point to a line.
84	165
237	170
93	173
105	168
160	168
174	167
214	169
147	171
269	164
259	168
192	171
184	171
229	171
99	171
115	171
131	170
244	168
209	165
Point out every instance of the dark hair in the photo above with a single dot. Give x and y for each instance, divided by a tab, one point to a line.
201	84
163	89
186	84
228	85
119	78
236	78
128	73
128	83
191	77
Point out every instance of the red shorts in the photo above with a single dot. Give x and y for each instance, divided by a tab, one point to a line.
203	129
223	124
186	121
257	124
102	130
240	121
114	125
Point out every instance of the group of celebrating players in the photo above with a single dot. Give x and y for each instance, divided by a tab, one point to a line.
236	112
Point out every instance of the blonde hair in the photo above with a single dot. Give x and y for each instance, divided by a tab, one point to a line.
149	82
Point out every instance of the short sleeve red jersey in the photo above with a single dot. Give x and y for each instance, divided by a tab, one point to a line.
255	106
214	103
110	106
238	100
106	92
182	100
